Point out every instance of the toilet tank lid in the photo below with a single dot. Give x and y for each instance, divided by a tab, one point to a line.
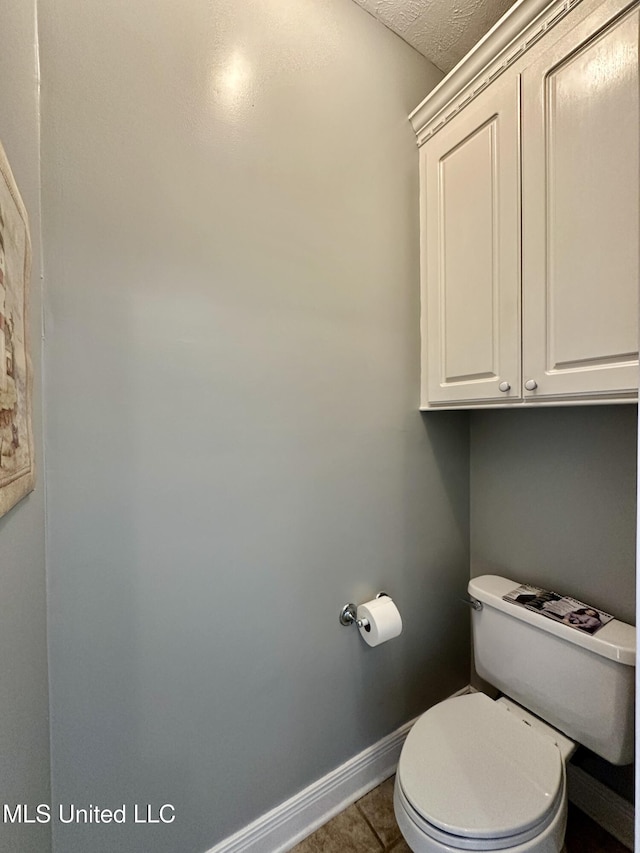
616	640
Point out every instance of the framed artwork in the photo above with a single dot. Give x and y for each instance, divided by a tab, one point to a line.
17	473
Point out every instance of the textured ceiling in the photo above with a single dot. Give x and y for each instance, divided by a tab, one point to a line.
442	30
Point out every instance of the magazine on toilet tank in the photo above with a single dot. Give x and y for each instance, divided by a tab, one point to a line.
561	608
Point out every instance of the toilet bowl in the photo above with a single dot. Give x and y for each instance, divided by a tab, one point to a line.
476	775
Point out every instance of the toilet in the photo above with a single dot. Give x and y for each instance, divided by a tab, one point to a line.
477	774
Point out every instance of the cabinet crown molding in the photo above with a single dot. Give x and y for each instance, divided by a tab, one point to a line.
505	42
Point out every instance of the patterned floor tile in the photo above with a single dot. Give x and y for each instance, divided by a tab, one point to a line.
400	847
377	807
348	832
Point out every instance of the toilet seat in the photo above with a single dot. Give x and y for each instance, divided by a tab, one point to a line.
450	842
472	775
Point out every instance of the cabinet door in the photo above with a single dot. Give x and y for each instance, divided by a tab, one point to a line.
470	244
580	208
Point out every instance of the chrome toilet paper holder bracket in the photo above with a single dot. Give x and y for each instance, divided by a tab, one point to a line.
349	614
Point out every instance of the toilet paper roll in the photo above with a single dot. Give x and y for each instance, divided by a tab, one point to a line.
384	619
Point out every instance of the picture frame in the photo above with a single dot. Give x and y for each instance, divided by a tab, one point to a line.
17	469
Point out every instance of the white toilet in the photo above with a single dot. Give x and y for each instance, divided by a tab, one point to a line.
477	774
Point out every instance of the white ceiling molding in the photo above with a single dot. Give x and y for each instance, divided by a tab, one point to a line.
442	30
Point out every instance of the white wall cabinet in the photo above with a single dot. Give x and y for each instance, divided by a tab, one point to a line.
530	212
471	215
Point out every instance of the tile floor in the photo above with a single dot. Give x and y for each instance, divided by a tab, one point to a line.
369	826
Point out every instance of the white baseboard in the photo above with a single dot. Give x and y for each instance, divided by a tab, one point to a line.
283	827
287	824
608	809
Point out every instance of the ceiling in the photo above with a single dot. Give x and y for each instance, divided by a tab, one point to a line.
442	30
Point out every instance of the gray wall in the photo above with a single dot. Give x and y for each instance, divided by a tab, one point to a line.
553	502
231	243
24	725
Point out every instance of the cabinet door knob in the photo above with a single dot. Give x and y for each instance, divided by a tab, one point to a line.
504	386
531	384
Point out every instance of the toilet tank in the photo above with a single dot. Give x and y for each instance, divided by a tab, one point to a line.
580	683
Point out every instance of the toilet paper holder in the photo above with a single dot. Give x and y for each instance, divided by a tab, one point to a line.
349	614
